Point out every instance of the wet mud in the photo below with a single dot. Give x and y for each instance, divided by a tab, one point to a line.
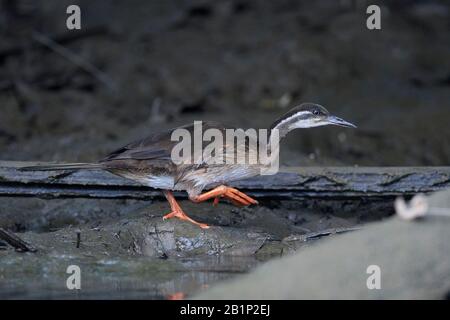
125	249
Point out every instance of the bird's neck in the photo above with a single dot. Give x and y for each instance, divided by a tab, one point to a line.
277	132
283	126
282	132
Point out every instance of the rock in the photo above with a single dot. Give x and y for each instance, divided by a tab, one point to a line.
412	257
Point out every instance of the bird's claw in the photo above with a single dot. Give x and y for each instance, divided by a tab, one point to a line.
182	216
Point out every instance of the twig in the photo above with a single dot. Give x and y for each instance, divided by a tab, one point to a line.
78	232
75	59
319	234
15	241
61	39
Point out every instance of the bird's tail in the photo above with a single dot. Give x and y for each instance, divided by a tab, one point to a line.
63	166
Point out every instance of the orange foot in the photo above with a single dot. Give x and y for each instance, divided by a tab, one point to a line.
176	296
234	195
177	212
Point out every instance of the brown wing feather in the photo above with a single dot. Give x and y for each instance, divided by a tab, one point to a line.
157	146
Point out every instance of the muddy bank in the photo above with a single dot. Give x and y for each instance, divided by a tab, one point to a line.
279	218
140	257
126	250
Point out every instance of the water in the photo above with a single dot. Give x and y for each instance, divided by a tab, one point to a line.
24	277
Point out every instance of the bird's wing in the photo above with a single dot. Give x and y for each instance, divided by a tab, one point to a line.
157	146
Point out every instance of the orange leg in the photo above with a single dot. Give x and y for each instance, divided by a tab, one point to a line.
177	212
237	197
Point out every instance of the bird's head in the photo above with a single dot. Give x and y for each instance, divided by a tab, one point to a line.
308	115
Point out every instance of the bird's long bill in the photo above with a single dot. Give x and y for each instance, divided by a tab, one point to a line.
340	122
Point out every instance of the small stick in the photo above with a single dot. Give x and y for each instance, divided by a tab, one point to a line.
322	233
75	59
15	241
328	232
78	238
60	38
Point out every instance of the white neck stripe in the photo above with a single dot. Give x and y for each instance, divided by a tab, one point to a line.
295	115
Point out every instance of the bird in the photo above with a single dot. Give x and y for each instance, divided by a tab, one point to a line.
149	161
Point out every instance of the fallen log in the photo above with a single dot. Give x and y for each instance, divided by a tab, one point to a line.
293	183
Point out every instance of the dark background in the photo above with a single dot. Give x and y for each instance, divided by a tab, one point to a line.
165	63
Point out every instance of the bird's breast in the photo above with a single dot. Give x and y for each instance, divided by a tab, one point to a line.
214	175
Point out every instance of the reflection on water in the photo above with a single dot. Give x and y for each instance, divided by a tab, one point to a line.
118	278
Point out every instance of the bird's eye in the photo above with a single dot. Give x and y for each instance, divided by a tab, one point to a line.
316	112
